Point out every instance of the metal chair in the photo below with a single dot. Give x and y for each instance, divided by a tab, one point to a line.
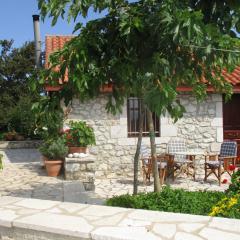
179	163
219	164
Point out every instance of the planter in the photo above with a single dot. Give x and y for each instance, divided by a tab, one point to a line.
56	88
106	88
77	149
53	167
9	136
19	137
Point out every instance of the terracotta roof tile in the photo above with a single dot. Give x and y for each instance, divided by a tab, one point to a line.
56	42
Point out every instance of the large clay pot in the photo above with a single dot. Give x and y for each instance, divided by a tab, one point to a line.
77	149
53	167
9	136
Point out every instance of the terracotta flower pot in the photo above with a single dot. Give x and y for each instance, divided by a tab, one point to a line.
53	167
19	137
77	149
9	136
106	88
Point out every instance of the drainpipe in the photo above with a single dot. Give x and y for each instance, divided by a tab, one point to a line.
37	40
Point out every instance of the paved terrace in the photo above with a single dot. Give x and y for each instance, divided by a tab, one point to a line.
23	176
50	220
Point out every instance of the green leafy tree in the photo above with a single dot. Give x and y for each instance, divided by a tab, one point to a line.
146	48
16	68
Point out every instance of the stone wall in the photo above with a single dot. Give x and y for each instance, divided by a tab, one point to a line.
201	127
82	169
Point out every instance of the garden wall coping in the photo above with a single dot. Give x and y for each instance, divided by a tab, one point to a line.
51	220
87	159
20	144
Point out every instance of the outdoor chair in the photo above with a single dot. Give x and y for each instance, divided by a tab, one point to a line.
219	164
178	163
147	165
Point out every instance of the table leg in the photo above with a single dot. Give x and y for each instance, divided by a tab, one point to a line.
194	167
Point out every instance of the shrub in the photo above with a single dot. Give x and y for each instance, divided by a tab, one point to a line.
227	207
21	118
54	149
79	134
169	200
234	187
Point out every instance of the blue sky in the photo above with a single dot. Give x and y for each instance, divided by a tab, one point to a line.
16	22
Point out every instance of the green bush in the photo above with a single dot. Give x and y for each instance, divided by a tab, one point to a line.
79	134
2	136
234	187
21	118
229	206
169	200
54	149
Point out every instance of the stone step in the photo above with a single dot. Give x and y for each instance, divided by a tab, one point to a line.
75	192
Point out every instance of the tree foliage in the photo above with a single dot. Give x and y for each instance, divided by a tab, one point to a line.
147	48
16	68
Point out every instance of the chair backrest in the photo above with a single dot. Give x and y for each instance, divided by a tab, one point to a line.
228	148
144	151
175	146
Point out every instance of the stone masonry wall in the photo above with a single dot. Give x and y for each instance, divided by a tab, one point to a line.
201	127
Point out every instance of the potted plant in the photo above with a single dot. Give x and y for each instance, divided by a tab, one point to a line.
106	88
54	152
10	136
79	136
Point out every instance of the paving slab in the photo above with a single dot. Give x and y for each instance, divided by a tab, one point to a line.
24	176
24	219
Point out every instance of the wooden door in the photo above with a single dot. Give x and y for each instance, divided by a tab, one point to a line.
231	120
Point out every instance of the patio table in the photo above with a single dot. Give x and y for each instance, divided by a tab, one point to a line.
192	156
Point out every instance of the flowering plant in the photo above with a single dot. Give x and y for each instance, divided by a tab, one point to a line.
224	181
235	183
229	206
232	167
79	134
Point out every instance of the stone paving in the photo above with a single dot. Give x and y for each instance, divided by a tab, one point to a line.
30	219
23	176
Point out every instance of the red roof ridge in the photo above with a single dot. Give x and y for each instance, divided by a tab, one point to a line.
60	35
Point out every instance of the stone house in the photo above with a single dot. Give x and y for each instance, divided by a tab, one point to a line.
204	125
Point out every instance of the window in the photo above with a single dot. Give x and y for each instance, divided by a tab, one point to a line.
133	114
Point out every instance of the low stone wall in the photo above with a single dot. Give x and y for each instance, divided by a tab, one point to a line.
30	219
82	169
20	144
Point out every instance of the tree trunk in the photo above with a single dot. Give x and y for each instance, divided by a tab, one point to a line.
137	154
157	186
